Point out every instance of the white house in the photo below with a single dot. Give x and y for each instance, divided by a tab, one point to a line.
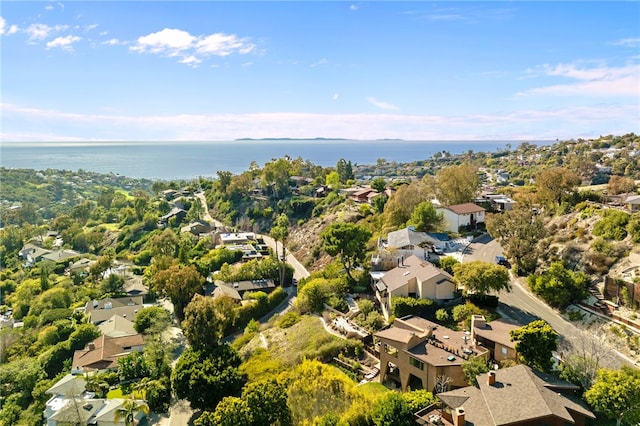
468	214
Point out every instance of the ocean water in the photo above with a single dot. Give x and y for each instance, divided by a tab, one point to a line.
188	160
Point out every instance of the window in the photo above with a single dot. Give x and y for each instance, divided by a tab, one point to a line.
503	350
416	363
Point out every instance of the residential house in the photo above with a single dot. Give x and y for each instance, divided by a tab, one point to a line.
170	194
103	353
248	251
417	278
80	266
32	253
498	202
406	242
514	396
415	352
196	227
364	195
321	191
633	203
495	336
71	403
236	238
456	216
242	287
99	311
176	212
117	326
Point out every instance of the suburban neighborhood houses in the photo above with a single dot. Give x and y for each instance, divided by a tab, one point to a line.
318	297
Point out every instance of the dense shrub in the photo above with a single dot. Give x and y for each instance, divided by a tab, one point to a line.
613	225
402	306
559	286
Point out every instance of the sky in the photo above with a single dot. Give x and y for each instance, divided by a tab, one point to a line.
190	71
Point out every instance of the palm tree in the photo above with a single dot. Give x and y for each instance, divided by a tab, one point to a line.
127	412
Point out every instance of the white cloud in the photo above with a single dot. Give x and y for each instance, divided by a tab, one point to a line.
173	42
65	42
353	7
38	32
596	81
114	42
13	29
322	61
192	61
336	96
584	121
628	42
48	7
3	23
220	44
381	105
91	27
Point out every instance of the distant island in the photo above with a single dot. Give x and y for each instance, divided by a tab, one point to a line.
309	139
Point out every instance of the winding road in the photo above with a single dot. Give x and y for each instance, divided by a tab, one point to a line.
523	307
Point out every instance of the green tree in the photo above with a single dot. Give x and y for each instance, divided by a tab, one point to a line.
473	368
180	284
379	184
480	278
559	286
344	170
196	211
535	344
398	209
207	319
348	242
129	410
113	284
392	410
164	244
152	320
555	185
268	402
519	232
442	315
616	394
204	377
418	399
457	184
133	366
425	217
231	411
333	180
280	232
447	263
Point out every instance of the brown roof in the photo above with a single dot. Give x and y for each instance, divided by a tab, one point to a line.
432	343
105	352
497	331
519	394
465	208
413	267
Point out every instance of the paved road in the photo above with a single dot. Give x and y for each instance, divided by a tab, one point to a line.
522	306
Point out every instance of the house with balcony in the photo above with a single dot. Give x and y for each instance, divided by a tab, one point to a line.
414	352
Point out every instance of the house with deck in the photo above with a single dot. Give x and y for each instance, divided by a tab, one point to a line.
459	215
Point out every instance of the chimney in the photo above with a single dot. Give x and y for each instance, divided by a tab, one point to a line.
91	346
491	378
458	417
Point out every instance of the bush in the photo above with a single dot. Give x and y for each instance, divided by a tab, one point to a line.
289	319
402	306
442	315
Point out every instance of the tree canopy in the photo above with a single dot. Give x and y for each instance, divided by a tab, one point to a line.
206	319
480	278
457	184
519	232
535	344
425	217
348	242
205	377
555	185
616	394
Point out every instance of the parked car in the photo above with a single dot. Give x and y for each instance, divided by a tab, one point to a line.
437	250
501	260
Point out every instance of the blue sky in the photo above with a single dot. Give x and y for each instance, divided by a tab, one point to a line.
363	70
